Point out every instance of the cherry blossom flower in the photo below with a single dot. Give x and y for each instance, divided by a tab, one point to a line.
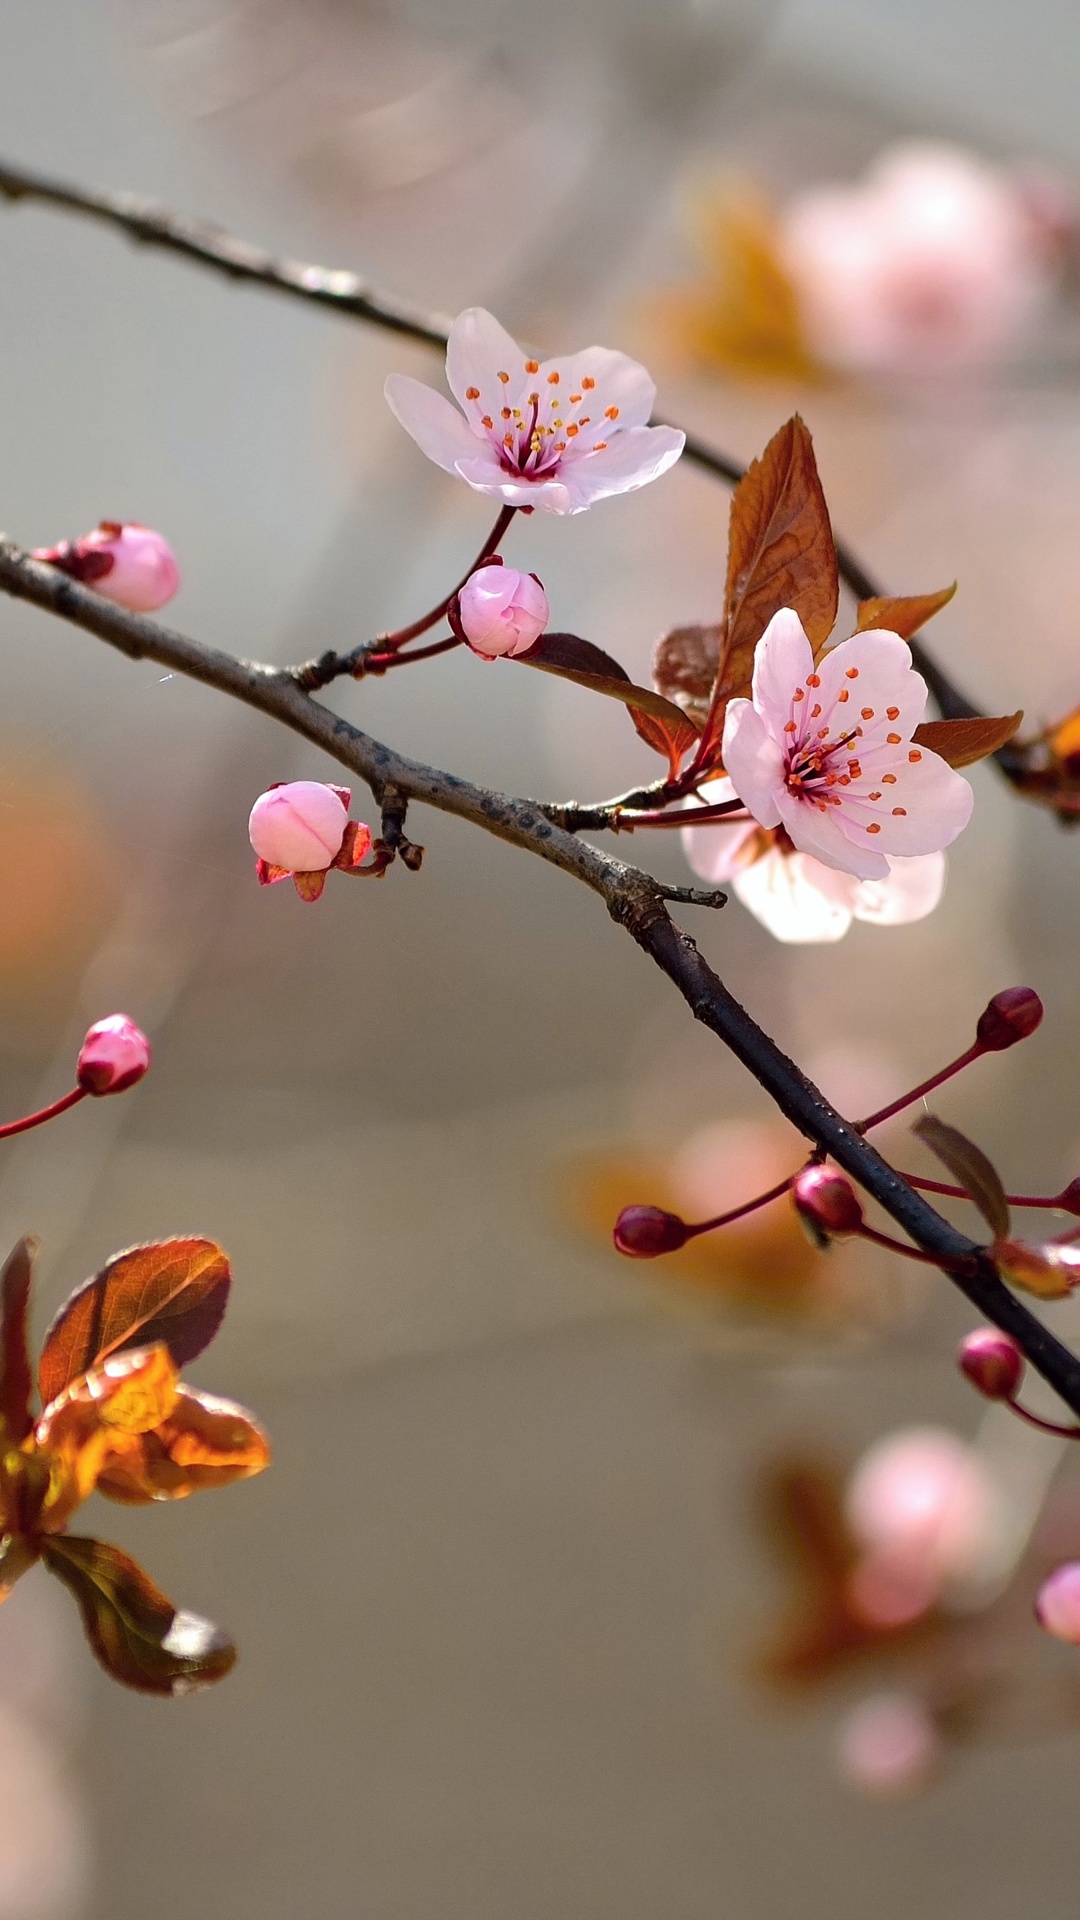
502	612
936	260
1057	1607
889	1745
825	753
554	434
124	562
299	829
923	1509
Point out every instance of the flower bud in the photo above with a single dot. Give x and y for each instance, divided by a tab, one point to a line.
645	1232
502	611
826	1203
1057	1605
1010	1016
127	563
114	1055
299	826
992	1362
1049	1271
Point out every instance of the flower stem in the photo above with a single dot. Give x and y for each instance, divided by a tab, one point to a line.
951	1264
1052	1200
731	811
1044	1426
47	1113
737	1213
974	1052
390	642
381	662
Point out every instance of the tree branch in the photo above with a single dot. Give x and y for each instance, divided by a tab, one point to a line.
633	898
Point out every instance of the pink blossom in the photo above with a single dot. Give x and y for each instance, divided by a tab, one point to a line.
922	1500
1057	1607
300	829
124	562
934	261
888	1745
555	434
826	752
113	1056
502	611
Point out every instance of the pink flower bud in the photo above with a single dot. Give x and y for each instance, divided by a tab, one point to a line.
1010	1016
1057	1607
888	1745
114	1055
826	1203
992	1362
645	1232
127	563
502	611
299	826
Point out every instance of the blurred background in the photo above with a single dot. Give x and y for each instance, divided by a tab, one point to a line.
505	1601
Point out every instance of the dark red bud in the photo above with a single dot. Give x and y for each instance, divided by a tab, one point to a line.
992	1362
645	1232
1010	1016
826	1203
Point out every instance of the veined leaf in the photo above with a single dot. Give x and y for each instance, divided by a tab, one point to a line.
969	1166
684	666
662	725
962	742
140	1638
175	1291
903	613
781	553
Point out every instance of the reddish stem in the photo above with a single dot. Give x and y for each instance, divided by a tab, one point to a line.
736	1213
382	662
974	1052
47	1113
732	811
392	641
913	1253
1044	1426
960	1193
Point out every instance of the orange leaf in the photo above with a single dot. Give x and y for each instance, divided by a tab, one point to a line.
16	1379
137	1634
904	613
169	1290
781	553
962	742
203	1442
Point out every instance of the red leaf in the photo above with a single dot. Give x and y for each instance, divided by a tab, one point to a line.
968	1165
662	725
684	667
16	1378
137	1634
962	742
902	613
170	1290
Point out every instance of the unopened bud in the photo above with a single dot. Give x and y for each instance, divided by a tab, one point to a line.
123	561
1010	1016
645	1232
1057	1607
502	612
992	1362
114	1055
826	1203
299	826
1049	1271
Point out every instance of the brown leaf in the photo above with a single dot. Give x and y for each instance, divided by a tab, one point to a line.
969	1166
137	1634
684	666
903	613
662	725
16	1378
203	1442
962	742
170	1290
781	553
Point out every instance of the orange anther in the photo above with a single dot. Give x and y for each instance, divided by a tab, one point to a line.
873	827
487	421
472	393
915	755
588	383
868	713
899	812
571	429
888	779
532	366
892	713
893	739
852	673
553	379
611	413
843	695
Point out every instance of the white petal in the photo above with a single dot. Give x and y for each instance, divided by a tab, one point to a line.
822	835
432	420
620	382
788	894
782	659
477	351
485	472
629	461
754	762
713	850
911	891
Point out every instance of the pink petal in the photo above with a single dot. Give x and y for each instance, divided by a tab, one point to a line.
630	461
620	382
937	803
873	670
478	350
712	850
486	473
782	660
432	420
822	834
754	762
912	890
795	899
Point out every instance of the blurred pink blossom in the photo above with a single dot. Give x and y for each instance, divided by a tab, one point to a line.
888	1745
124	562
923	1508
554	434
934	261
1058	1605
502	611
